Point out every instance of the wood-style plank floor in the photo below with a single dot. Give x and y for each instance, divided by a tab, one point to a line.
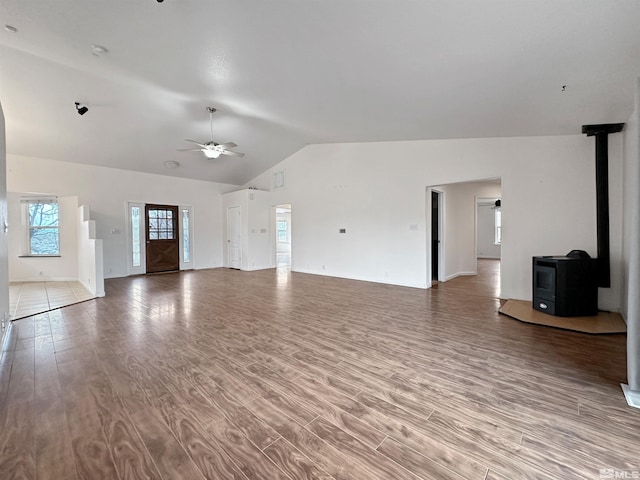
223	374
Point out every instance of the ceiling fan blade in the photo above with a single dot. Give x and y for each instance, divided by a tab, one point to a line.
232	154
197	143
227	145
189	150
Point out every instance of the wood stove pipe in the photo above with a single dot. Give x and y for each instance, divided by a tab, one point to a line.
601	133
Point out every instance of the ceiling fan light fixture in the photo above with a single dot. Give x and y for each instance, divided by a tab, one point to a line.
212	149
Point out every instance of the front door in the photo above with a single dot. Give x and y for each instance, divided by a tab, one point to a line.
163	245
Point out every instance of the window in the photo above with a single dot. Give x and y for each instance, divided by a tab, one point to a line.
186	239
278	180
135	236
42	227
282	230
161	224
498	225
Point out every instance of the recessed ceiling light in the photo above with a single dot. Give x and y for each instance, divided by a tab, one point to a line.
171	164
98	50
10	29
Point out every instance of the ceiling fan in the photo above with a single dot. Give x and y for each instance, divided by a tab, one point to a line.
212	149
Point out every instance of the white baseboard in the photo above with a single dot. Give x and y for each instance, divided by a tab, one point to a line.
48	279
624	317
360	279
458	274
92	290
605	308
633	397
120	275
254	268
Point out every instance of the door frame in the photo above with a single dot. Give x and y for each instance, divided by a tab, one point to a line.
441	236
142	268
173	260
274	233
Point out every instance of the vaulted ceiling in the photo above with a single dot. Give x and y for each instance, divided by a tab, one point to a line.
286	73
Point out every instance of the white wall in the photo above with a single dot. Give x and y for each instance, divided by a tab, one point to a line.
38	269
631	251
377	191
256	229
4	261
90	253
486	232
260	228
106	191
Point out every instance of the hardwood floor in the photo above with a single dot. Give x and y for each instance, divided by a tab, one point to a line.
223	374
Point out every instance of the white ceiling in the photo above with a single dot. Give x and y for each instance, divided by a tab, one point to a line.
286	73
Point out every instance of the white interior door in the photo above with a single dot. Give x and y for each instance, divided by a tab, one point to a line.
234	237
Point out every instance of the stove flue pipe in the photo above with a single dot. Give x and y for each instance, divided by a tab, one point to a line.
601	132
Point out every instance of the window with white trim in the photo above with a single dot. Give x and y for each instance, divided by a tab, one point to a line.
136	236
278	180
498	225
42	227
283	235
186	235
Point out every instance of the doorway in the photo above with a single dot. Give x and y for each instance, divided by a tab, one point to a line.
436	217
283	235
488	227
454	247
162	242
138	231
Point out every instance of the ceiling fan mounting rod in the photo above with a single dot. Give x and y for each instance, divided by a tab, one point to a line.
211	111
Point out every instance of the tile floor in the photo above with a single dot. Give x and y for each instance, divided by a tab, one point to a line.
30	298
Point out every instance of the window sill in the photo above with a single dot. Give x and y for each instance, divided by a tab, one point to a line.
39	256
